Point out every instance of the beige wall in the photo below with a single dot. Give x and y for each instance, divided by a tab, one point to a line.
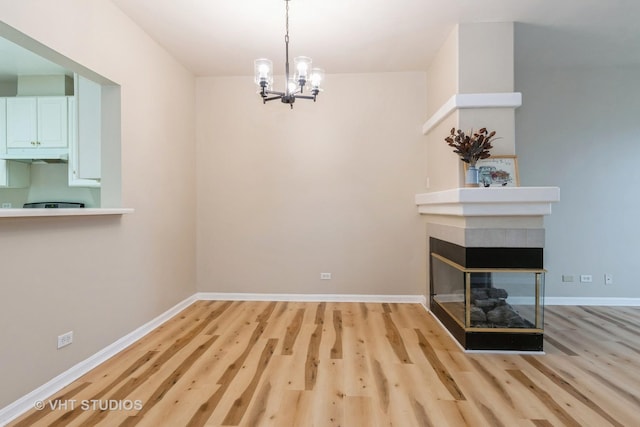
443	168
442	75
327	187
486	61
475	58
102	277
485	57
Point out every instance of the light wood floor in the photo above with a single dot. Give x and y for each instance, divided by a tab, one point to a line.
356	364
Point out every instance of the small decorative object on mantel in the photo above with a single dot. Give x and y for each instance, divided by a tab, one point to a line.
498	171
471	148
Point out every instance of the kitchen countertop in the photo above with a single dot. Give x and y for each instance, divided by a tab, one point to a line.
28	213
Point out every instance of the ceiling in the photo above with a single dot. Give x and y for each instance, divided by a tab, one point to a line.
215	37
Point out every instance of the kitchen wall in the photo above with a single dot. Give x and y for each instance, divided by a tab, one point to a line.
8	88
284	195
50	182
102	277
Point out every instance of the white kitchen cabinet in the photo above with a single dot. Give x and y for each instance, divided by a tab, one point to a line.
85	124
3	126
12	174
36	123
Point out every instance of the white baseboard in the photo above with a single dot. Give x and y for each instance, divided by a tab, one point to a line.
628	302
222	296
25	403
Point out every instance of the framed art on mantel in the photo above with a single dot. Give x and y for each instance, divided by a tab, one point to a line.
498	171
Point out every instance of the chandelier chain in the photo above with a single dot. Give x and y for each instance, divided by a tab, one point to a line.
286	55
286	37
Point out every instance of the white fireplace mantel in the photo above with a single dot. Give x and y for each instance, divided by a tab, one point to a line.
493	201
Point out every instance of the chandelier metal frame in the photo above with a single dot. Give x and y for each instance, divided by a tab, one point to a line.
294	86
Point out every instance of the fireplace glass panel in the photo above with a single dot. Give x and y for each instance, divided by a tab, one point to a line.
483	299
449	289
505	300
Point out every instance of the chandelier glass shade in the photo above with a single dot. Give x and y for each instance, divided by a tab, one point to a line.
304	76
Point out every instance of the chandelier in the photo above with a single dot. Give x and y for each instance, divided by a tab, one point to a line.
294	86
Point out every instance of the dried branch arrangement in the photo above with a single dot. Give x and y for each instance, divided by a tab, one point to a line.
472	147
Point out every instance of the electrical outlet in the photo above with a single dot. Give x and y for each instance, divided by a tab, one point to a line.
567	278
608	279
6	205
325	276
65	339
586	278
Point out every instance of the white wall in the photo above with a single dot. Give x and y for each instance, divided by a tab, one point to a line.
578	129
329	186
102	277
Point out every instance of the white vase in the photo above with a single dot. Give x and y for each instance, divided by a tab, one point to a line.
471	177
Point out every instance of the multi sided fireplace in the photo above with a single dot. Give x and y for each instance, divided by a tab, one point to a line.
486	263
489	298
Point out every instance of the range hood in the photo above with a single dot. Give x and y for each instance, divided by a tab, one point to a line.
42	156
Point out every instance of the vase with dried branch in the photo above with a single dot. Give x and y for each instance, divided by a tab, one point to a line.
471	147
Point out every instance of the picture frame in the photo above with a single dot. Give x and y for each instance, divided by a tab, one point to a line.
498	171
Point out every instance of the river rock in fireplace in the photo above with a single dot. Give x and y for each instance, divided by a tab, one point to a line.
477	315
489	309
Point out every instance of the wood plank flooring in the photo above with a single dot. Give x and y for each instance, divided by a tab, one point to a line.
221	363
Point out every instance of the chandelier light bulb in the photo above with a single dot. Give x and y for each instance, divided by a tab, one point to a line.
317	76
302	65
263	71
292	86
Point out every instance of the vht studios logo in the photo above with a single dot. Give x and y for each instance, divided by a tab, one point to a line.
89	405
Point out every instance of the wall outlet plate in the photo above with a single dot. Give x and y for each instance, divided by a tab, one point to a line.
65	339
325	276
586	278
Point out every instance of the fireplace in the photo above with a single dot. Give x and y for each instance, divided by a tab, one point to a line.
486	276
489	298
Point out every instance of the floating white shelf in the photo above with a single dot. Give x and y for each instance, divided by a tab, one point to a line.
472	100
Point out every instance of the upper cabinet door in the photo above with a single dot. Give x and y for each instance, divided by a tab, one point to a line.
52	122
37	122
88	144
22	127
